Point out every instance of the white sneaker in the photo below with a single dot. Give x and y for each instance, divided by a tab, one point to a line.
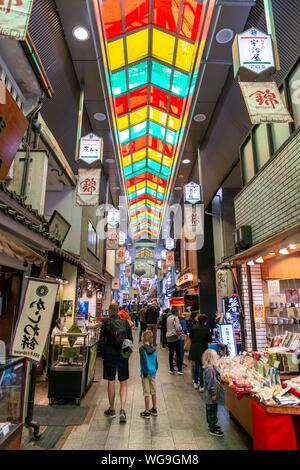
180	373
201	389
196	386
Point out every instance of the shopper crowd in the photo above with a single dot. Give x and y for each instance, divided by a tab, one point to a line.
176	333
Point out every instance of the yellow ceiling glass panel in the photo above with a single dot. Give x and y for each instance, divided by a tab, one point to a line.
161	190
163	46
154	155
131	189
115	51
141	185
139	155
138	116
173	123
126	160
158	116
137	45
167	162
185	55
122	123
152	185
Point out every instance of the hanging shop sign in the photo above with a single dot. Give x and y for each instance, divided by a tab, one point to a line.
122	238
170	259
128	271
112	239
88	187
177	302
253	54
232	310
194	220
191	302
170	244
91	148
184	279
115	284
264	102
192	192
226	334
120	255
12	128
259	313
113	217
34	323
164	254
14	18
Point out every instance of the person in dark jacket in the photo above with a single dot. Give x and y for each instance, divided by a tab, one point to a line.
149	366
192	321
152	316
200	336
163	328
113	331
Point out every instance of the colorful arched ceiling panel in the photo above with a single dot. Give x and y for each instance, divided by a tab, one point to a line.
144	253
152	51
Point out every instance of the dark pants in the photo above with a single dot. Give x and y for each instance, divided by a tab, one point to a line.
175	347
143	327
212	415
198	374
136	320
163	338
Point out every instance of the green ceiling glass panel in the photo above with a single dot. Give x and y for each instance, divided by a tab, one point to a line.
132	196
156	130
171	137
153	165
118	82
128	170
139	130
180	83
124	136
161	75
139	165
165	170
140	192
138	75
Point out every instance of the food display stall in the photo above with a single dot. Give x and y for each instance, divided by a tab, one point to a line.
263	398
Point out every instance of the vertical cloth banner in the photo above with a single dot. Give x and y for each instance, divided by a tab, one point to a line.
14	18
35	320
120	255
264	102
88	187
170	259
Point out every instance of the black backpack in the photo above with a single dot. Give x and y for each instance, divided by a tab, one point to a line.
117	332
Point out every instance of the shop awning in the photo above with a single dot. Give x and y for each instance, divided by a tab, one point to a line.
273	244
12	247
68	256
91	272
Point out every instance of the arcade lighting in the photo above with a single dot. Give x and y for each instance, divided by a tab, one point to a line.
152	54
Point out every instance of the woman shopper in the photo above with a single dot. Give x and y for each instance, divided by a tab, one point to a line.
174	331
163	327
200	336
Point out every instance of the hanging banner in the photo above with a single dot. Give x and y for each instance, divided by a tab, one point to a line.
264	102
88	187
112	239
170	259
115	284
194	220
192	193
34	323
91	148
113	217
122	238
120	255
14	18
170	244
253	54
128	271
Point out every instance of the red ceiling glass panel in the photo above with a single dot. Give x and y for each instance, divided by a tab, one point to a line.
138	98
155	179
112	18
133	146
136	14
121	105
176	105
165	14
190	19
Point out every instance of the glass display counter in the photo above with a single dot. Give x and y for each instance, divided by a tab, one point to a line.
12	384
94	336
68	368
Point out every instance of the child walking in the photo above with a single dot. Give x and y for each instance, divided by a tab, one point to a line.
149	366
211	391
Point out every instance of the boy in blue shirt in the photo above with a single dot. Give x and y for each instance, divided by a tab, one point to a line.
149	366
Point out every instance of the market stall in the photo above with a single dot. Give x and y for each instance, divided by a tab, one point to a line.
262	399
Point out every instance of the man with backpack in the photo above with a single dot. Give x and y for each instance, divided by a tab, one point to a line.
115	341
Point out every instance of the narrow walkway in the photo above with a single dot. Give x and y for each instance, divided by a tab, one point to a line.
181	424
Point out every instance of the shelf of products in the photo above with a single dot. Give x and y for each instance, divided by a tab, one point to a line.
12	383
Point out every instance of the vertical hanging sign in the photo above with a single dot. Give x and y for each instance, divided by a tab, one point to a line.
91	148
35	320
14	18
88	187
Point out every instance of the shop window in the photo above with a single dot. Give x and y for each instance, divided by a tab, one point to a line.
294	84
262	145
92	239
248	167
280	132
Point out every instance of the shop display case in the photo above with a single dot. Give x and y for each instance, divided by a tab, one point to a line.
68	368
93	340
12	384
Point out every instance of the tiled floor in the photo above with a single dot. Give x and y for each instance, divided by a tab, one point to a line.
181	424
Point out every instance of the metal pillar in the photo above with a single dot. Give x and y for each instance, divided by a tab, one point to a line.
79	124
272	30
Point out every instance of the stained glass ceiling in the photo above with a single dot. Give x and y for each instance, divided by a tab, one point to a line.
145	253
152	51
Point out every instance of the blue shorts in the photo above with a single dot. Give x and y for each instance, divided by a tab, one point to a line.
112	365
